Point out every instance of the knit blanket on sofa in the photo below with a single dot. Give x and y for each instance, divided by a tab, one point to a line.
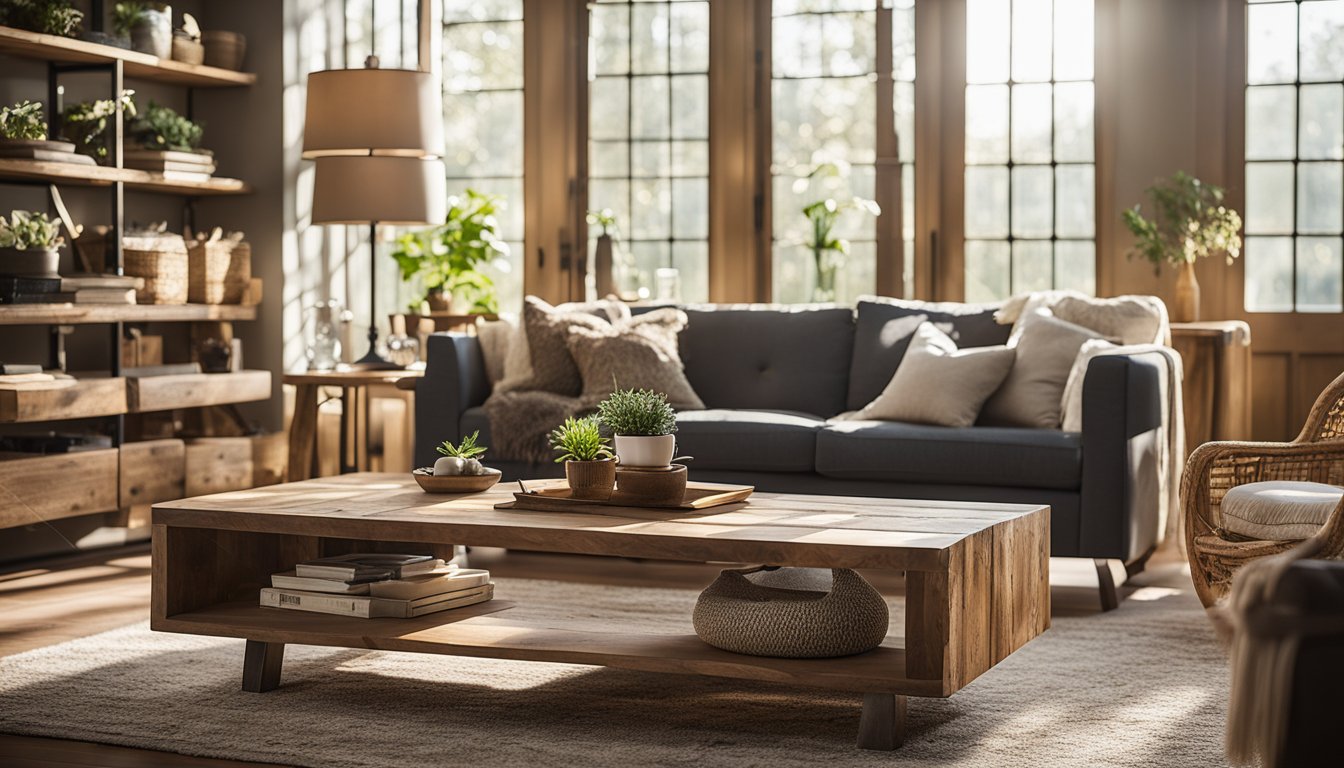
521	422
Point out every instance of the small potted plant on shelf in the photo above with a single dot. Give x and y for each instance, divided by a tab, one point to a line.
1189	222
148	26
168	143
50	17
460	470
29	245
447	259
86	124
589	467
23	135
643	425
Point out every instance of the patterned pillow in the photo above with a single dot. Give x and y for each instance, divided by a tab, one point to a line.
639	353
545	329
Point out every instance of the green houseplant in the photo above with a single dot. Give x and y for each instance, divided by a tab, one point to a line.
589	468
447	259
50	17
828	251
86	123
29	244
643	424
461	459
162	128
23	122
1189	222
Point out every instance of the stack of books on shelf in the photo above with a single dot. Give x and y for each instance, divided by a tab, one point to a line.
173	165
78	289
371	586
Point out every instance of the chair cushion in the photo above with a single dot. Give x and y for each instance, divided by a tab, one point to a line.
883	330
1279	510
773	358
766	441
916	453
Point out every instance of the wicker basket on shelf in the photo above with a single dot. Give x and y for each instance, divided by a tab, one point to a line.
161	259
219	268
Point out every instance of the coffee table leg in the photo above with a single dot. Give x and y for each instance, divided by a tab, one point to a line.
882	725
261	666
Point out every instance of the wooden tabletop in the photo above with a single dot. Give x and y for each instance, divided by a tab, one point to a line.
785	529
353	378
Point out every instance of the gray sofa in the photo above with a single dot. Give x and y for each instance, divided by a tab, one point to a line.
771	377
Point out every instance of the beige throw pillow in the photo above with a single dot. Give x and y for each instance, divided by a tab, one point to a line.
547	329
1124	319
936	383
1032	393
639	353
495	337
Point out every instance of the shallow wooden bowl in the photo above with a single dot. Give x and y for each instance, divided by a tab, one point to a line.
455	483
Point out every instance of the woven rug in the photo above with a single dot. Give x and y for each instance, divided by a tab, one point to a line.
1143	685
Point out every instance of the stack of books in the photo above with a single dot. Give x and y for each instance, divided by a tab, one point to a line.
173	165
102	289
372	586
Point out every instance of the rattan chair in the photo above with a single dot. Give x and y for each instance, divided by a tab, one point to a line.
1315	455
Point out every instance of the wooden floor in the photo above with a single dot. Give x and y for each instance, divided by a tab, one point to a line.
96	592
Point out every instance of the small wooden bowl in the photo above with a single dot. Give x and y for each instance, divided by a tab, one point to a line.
432	483
652	486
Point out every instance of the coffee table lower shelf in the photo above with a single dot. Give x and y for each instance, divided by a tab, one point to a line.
486	631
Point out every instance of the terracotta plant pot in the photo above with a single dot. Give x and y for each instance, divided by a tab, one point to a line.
1186	307
437	300
591	479
652	451
30	262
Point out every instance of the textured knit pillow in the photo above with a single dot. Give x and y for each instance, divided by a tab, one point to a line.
639	353
1031	395
547	329
495	337
936	383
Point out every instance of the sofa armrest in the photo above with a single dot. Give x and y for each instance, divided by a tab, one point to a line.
1120	515
454	381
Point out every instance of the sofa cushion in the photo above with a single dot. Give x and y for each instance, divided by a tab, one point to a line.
884	327
1033	393
640	353
772	358
915	453
475	419
1279	510
766	441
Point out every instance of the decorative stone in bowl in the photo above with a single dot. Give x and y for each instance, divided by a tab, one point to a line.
432	483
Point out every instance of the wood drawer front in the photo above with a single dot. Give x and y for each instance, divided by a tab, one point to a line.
43	488
86	398
217	465
152	471
194	390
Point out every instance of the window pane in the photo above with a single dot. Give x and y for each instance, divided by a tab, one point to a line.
815	121
1269	198
692	262
1269	274
650	159
1076	265
986	202
1322	47
1032	38
1319	206
1320	274
1031	123
690	107
1322	133
690	158
610	23
650	110
987	270
1075	195
1074	29
1271	117
649	48
690	38
1271	55
1033	266
690	207
824	45
1074	122
986	124
986	43
609	159
1032	201
609	108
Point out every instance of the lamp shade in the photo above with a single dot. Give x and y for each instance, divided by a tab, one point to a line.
379	189
373	111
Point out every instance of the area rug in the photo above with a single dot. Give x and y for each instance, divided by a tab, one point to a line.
1143	685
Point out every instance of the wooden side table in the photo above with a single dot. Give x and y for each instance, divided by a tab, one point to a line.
354	387
1217	387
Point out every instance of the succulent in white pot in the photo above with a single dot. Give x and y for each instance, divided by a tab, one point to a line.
642	424
29	245
461	459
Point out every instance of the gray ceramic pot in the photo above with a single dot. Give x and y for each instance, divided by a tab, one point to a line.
30	262
153	34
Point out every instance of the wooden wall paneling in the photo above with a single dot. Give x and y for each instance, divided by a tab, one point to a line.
890	250
734	111
1312	374
764	152
947	265
1271	407
1107	70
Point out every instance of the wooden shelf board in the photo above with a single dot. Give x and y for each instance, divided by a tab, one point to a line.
196	390
82	314
486	630
32	45
44	488
12	169
84	399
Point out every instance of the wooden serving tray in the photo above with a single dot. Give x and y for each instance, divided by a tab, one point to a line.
556	498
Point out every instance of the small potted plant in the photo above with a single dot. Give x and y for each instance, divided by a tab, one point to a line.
589	467
86	124
460	470
643	424
1189	222
160	127
22	124
29	245
149	27
50	17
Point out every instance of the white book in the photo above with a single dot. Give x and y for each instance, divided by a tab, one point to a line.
363	566
288	580
371	607
444	580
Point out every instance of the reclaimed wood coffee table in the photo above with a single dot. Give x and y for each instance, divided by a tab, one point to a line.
977	585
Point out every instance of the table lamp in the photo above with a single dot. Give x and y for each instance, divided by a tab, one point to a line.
376	136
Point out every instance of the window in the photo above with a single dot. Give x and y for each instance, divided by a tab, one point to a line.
483	119
831	62
648	128
1030	202
1294	156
